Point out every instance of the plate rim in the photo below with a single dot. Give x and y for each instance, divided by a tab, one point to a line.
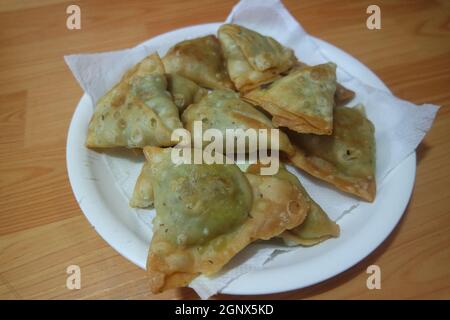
244	285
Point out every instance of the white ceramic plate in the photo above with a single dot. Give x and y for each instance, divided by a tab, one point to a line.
106	207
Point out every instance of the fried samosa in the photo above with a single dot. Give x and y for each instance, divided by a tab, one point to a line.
342	94
206	214
223	109
301	101
136	112
346	159
199	60
142	196
316	227
253	59
184	91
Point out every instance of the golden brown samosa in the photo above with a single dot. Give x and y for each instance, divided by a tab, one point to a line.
206	214
199	60
136	112
223	109
316	227
302	101
253	59
345	159
184	91
342	94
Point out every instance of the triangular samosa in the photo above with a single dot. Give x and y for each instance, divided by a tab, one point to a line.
252	58
302	101
316	227
223	109
184	91
136	112
346	159
342	94
199	60
206	214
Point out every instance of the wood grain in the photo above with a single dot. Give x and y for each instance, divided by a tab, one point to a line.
42	230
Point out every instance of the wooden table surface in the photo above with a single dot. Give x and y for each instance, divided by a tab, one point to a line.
42	229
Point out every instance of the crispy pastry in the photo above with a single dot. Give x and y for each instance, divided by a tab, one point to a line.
136	112
184	91
342	94
316	227
301	101
253	59
346	159
206	214
223	110
142	196
200	60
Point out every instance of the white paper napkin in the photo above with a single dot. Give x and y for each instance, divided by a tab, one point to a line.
399	124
